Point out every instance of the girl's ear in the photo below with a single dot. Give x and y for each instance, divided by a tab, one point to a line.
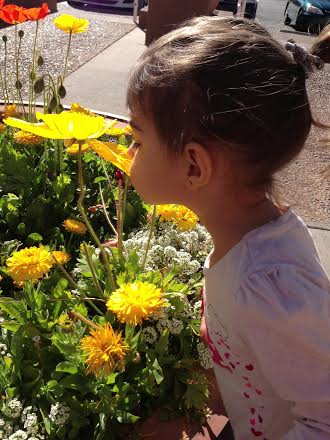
198	166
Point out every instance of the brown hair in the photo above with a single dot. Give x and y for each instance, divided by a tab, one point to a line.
226	81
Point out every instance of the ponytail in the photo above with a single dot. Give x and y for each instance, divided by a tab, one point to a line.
321	47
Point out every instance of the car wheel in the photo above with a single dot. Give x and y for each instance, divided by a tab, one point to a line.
299	26
73	3
287	19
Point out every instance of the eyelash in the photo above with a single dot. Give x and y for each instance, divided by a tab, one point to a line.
136	144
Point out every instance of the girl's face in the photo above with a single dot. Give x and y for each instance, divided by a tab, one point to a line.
156	175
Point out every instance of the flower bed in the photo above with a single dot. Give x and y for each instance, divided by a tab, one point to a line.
101	293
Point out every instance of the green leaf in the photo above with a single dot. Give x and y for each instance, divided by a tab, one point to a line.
126	417
10	306
157	372
99	179
12	326
67	367
44	414
34	238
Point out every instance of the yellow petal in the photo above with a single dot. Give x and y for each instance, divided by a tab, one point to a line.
39	129
66	125
114	153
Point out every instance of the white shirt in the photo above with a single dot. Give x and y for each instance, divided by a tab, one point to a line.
267	310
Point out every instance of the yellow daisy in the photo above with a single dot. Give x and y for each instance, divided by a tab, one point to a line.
134	302
70	24
105	350
29	264
73	148
11	111
180	215
75	226
3	128
61	257
25	138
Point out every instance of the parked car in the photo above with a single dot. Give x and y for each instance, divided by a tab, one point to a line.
123	4
310	15
231	6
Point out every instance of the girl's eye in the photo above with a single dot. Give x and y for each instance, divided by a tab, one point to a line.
136	144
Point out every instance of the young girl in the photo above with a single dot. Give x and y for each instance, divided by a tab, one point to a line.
218	107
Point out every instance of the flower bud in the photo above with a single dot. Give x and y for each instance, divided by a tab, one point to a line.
60	108
95	208
21	33
39	86
52	105
40	61
4	38
18	85
61	91
32	75
119	175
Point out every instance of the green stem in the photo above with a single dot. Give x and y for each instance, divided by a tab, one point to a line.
89	226
67	56
31	80
153	218
5	72
106	174
17	71
91	266
105	212
3	89
75	285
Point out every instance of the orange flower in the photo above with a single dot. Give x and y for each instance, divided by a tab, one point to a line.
35	14
13	14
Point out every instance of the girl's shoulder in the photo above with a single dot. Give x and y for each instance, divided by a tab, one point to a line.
282	268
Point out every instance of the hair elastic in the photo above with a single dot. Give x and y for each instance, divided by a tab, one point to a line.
302	57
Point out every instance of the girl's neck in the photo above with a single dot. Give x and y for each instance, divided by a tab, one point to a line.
228	224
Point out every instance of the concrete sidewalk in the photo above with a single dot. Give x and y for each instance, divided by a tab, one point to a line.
102	82
101	85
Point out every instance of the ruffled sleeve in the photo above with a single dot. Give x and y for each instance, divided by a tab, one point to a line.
284	314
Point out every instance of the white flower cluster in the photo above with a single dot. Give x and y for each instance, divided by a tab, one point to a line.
174	325
59	414
169	247
9	426
3	349
204	356
13	408
149	335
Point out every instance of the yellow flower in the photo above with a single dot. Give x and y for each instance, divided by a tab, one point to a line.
11	111
61	257
1	277
75	226
3	128
73	148
29	264
75	107
70	24
180	215
25	138
185	218
114	153
105	350
65	125
117	131
134	302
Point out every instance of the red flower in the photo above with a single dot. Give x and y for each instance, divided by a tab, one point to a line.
35	14
12	14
